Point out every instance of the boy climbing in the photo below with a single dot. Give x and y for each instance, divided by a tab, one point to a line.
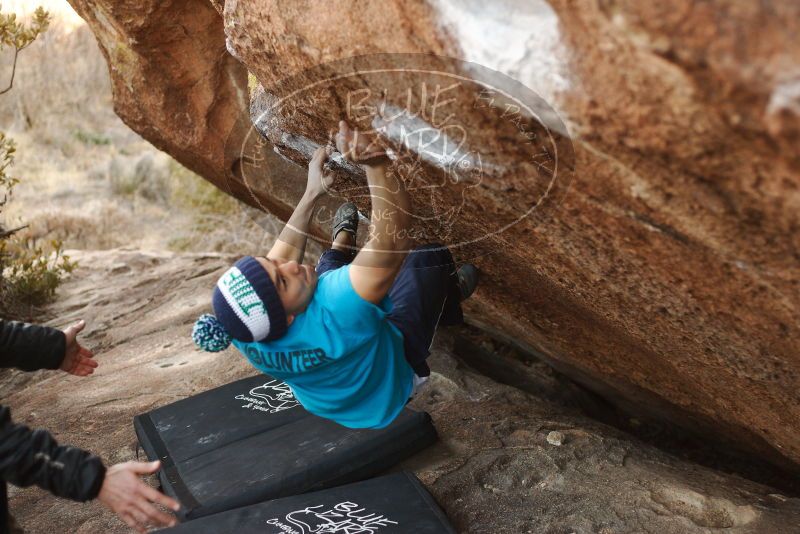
351	337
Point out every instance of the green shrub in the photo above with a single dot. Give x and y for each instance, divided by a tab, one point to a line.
91	138
19	36
30	271
31	274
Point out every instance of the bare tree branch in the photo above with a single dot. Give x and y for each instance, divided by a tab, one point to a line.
13	72
7	233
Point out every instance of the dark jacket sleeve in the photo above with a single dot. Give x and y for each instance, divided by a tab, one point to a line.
33	457
30	347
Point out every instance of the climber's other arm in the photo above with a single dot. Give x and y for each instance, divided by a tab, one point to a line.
291	243
375	267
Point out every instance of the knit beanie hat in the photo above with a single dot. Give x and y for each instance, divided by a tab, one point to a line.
247	308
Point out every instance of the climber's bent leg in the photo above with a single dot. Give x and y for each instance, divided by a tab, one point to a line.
424	295
343	245
332	259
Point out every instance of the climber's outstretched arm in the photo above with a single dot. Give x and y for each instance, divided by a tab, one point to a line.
291	243
375	267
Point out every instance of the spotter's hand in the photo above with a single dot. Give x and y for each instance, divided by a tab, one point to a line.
78	360
125	494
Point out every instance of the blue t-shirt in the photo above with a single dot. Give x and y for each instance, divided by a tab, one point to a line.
342	358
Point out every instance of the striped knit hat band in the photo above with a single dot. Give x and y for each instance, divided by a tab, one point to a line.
246	302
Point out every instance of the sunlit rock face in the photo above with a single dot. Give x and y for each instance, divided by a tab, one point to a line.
661	267
173	88
174	84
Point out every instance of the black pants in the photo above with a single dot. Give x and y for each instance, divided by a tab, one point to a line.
4	522
424	295
7	523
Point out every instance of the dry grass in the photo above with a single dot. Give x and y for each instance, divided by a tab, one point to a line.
90	181
61	85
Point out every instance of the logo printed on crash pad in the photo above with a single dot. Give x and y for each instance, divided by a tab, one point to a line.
344	518
272	397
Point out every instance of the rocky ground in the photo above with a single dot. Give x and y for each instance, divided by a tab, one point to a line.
507	461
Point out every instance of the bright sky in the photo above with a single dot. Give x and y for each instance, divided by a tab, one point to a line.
60	9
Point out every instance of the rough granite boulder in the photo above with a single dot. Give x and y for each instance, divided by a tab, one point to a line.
664	271
506	461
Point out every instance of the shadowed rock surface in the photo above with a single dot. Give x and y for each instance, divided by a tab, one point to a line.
498	466
666	277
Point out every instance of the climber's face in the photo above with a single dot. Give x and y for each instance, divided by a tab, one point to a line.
295	284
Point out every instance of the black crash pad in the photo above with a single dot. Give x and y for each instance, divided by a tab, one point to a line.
251	441
390	504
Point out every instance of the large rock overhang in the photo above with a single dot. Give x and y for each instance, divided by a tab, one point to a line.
667	275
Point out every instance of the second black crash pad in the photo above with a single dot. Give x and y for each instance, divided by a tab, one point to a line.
390	504
251	441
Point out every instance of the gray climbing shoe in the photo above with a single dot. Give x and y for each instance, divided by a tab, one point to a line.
346	219
467	280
